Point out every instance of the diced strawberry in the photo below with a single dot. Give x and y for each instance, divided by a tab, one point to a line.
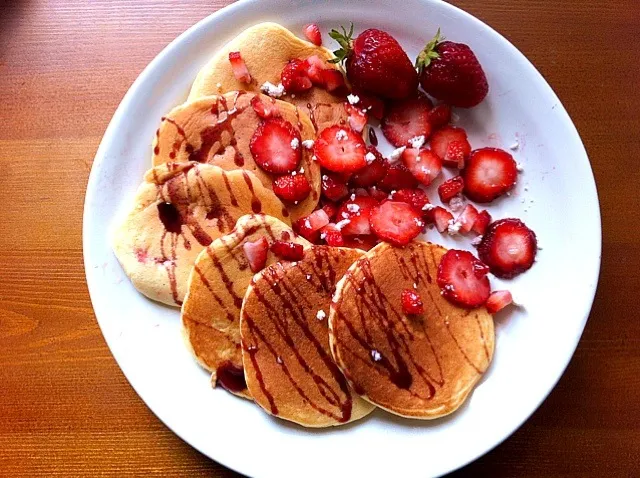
356	117
423	164
239	68
411	302
315	66
396	222
256	253
309	226
289	251
331	209
377	194
360	192
467	218
452	145
463	279
441	218
508	247
294	76
361	242
332	235
292	188
333	188
407	119
450	188
353	215
271	146
397	177
489	173
312	32
498	300
373	105
440	115
333	81
373	172
415	198
482	221
340	149
265	108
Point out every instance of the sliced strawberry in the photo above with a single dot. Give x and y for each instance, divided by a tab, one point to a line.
256	253
377	194
332	235
331	209
415	198
463	279
452	145
333	188
294	76
292	188
411	302
333	81
309	226
340	149
271	146
396	222
373	172
467	218
239	68
407	119
264	108
481	223
450	188
398	177
356	117
489	173
440	217
440	115
508	247
289	251
312	32
353	215
373	105
498	300
423	164
360	192
361	242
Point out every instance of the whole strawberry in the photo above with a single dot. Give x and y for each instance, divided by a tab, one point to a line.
376	63
451	72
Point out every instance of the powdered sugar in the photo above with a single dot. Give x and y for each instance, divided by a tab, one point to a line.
275	91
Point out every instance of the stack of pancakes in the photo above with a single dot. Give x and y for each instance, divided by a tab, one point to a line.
320	341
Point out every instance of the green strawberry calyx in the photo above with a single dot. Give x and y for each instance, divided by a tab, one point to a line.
345	41
429	52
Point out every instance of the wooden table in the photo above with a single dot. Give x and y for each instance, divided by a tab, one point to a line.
65	407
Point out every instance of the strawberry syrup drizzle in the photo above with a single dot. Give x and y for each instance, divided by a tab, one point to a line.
289	298
256	205
372	303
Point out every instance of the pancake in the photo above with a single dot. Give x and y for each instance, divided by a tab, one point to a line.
285	341
266	48
217	284
179	209
217	130
414	366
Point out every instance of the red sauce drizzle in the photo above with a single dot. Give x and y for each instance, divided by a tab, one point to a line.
256	205
231	377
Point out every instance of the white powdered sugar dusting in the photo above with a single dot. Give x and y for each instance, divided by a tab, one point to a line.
275	91
341	135
353	99
417	141
308	143
295	143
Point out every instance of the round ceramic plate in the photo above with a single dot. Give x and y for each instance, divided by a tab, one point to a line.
555	196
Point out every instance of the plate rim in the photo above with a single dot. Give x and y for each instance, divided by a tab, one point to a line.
132	91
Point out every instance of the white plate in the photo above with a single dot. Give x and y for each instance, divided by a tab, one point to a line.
556	197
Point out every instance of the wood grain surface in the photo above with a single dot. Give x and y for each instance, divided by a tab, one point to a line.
65	407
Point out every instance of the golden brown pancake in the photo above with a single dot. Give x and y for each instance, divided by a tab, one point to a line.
285	341
415	366
266	48
217	284
217	130
179	209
